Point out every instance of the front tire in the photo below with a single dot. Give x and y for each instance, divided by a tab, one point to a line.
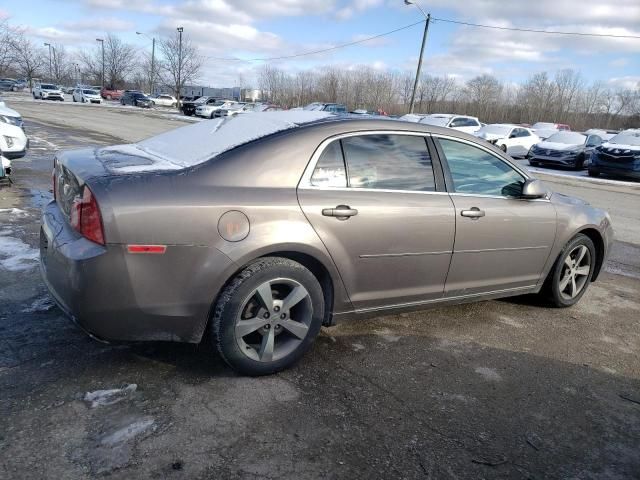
571	274
593	173
268	316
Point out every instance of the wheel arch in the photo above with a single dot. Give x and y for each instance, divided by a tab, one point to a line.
326	275
598	241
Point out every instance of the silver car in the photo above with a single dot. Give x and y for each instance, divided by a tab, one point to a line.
266	227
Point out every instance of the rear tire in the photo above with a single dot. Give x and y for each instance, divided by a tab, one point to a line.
268	316
571	274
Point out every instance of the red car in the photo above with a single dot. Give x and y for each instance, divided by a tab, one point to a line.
111	93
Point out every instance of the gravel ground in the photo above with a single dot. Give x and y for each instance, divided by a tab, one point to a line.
500	389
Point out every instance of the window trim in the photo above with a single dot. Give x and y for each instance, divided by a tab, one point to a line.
449	178
438	172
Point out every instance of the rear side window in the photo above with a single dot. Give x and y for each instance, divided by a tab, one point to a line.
388	162
330	170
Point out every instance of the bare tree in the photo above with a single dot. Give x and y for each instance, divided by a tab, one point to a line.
119	61
6	51
27	57
179	64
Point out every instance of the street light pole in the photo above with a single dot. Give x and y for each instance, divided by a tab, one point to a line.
424	41
153	61
101	40
180	30
50	71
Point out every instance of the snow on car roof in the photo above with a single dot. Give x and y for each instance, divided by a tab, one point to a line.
188	146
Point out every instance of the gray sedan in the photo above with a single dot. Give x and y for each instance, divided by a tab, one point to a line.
262	228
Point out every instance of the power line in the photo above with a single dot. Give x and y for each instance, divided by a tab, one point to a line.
322	50
446	20
533	30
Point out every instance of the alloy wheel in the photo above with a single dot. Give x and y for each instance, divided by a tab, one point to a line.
575	272
274	320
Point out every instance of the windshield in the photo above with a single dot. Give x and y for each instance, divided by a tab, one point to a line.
140	95
315	106
627	138
496	129
434	120
568	138
48	87
89	92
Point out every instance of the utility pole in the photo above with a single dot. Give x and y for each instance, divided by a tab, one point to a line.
424	41
180	30
153	61
50	71
101	40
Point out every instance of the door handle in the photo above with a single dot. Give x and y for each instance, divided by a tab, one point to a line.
475	213
341	212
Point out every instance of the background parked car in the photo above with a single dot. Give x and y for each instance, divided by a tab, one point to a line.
604	134
208	109
164	100
7	85
110	93
48	91
189	104
326	107
462	123
13	141
137	99
620	155
565	149
86	95
512	139
546	129
234	109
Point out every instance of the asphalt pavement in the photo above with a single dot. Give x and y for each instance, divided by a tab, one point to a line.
499	389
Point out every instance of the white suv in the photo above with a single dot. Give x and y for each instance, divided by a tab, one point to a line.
462	123
13	141
48	91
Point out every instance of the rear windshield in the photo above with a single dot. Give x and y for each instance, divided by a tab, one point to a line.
437	121
568	138
627	138
496	129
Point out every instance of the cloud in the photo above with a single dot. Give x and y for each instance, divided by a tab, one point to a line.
103	24
375	42
356	6
619	62
629	82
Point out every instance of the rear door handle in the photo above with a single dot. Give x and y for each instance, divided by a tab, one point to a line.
341	212
475	213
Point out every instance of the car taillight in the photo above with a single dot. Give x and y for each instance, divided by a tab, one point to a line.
86	218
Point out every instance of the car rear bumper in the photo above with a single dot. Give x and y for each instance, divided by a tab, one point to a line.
115	295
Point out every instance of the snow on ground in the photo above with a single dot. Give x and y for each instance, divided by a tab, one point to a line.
42	304
15	255
110	396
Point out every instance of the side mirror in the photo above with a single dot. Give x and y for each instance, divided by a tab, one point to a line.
513	135
534	188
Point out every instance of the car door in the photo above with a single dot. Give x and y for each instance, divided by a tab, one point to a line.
517	142
502	241
377	202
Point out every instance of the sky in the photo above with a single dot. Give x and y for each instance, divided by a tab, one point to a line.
231	34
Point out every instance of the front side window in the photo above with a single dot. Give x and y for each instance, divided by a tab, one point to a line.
388	162
476	171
